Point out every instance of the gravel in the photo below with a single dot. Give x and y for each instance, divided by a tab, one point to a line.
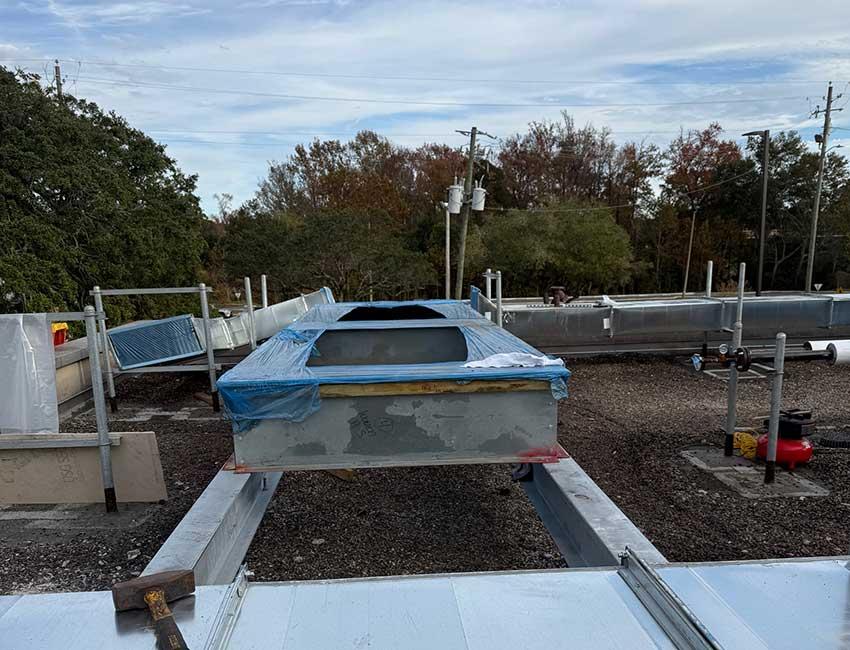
82	559
625	422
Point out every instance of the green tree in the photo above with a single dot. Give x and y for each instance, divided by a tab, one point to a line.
85	199
565	244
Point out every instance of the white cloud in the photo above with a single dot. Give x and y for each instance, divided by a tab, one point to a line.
532	40
92	14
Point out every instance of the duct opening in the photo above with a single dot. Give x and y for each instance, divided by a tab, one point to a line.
404	312
389	347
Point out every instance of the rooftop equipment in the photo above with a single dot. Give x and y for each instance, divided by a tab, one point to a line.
330	392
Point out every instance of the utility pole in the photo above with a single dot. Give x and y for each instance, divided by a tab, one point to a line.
57	76
813	236
464	219
765	162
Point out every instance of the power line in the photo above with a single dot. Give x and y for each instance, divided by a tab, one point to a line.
413	102
377	77
305	133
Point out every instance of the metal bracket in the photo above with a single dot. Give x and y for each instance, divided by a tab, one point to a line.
228	612
679	623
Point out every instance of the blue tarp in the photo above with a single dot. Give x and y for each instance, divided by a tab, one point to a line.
274	382
151	342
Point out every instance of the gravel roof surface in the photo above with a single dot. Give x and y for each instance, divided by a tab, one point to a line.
625	422
33	560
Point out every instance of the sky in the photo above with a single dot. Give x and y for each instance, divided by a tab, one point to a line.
229	85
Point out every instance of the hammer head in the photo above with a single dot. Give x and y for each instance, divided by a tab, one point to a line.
174	584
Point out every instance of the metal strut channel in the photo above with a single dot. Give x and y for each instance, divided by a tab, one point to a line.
228	612
679	623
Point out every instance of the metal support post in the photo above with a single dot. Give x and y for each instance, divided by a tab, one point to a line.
499	298
249	304
264	291
488	284
775	405
103	442
709	276
104	343
732	402
448	253
208	344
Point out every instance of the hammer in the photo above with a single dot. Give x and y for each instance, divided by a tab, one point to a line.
155	592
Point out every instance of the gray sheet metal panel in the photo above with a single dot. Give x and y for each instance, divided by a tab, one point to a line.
214	536
668	322
87	621
455	612
743	604
764	597
405	430
589	529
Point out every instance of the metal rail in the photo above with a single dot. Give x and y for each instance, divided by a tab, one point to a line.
681	625
202	290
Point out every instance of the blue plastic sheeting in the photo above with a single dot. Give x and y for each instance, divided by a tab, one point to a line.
149	343
274	382
450	309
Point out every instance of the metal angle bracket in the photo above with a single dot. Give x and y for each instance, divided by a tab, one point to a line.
681	625
228	612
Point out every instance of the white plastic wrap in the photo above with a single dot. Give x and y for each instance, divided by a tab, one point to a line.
28	402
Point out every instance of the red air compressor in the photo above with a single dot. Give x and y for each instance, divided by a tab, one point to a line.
793	447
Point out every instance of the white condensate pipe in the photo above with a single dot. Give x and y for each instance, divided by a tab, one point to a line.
840	351
816	346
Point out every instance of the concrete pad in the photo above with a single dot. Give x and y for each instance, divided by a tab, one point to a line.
72	474
63	523
155	414
747	477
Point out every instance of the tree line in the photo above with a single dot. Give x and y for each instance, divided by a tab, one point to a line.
86	199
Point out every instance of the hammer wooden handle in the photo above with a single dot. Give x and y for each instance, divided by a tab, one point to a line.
168	635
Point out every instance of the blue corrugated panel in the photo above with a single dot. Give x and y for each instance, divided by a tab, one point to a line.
149	343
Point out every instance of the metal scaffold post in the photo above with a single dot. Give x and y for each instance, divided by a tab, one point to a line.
249	306
264	291
103	442
775	406
208	345
737	336
104	343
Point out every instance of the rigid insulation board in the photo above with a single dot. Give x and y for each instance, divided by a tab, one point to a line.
390	390
150	342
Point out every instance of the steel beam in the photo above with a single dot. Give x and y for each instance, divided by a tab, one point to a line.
589	529
214	536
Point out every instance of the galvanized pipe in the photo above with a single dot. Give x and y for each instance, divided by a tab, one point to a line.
709	272
249	304
732	397
499	298
488	284
103	442
264	291
208	344
448	253
104	342
775	405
